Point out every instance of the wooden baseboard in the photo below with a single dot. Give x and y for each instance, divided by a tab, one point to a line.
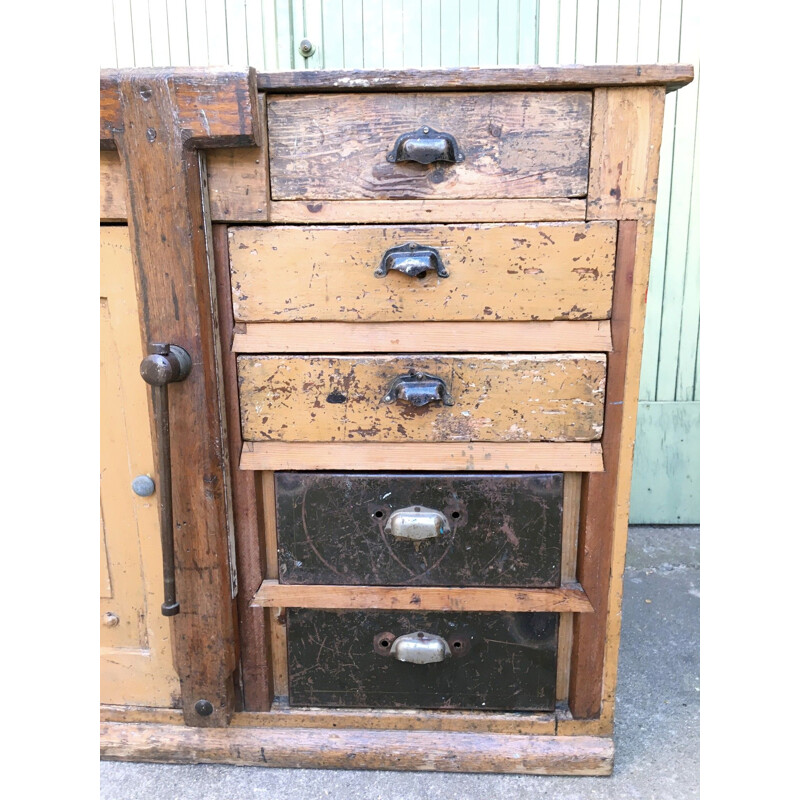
304	748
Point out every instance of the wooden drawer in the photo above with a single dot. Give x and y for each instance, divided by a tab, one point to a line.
495	398
514	145
517	272
419	529
497	660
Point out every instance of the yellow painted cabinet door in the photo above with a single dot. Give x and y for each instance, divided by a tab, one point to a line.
135	650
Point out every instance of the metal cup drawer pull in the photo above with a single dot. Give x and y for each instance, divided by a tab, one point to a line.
417	523
424	146
419	389
412	259
414	648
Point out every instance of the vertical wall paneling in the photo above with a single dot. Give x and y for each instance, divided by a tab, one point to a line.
283	43
333	34
353	25
628	31
140	24
450	25
548	33
586	32
412	32
123	33
238	52
392	34
524	16
488	33
216	32
159	33
431	40
372	34
468	28
177	32
607	23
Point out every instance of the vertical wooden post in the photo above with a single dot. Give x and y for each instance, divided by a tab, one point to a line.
158	120
623	178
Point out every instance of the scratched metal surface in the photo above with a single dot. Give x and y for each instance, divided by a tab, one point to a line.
505	529
506	661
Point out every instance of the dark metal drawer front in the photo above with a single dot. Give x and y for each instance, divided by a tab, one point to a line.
498	530
497	660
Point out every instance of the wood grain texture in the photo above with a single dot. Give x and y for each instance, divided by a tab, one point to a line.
673	76
136	653
157	119
440	751
598	519
245	488
557	271
281	715
113	205
569	597
516	145
557	398
535	457
626	141
551	209
556	336
238	179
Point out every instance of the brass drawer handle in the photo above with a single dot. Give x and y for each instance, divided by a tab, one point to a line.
419	389
417	523
425	146
166	363
412	259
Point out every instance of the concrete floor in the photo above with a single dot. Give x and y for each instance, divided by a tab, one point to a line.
658	715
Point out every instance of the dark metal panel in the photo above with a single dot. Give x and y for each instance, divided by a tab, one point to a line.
499	660
502	529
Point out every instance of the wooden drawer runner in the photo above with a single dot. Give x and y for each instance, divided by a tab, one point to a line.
515	145
495	398
419	529
497	660
511	272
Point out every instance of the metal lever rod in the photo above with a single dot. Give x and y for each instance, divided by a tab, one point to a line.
165	364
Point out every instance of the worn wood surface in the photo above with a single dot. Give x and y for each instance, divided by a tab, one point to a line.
466	457
673	76
516	144
110	712
135	653
566	598
555	336
551	209
599	500
569	554
354	668
497	398
440	751
626	141
245	488
557	271
281	715
500	529
157	119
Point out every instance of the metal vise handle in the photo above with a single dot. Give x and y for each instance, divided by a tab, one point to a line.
166	363
412	259
418	388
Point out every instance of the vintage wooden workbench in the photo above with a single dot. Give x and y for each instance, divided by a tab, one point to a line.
370	359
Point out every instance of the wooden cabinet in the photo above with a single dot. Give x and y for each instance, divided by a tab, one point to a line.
401	467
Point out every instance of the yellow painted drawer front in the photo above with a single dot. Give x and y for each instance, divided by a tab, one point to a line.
496	398
515	145
508	272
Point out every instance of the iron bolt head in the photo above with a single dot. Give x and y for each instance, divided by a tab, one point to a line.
204	708
110	620
143	485
306	48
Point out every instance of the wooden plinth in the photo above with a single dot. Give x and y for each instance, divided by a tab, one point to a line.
358	749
